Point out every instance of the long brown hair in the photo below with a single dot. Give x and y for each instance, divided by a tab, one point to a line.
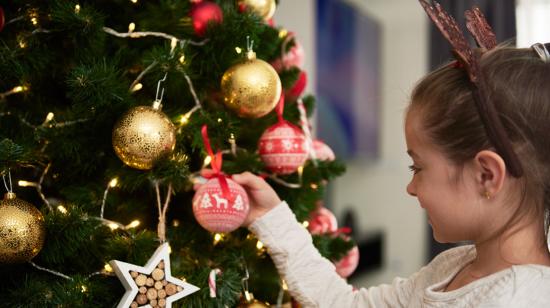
518	83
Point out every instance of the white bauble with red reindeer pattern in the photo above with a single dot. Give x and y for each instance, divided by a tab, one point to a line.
216	212
283	148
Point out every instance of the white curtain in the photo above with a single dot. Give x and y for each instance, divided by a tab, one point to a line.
532	22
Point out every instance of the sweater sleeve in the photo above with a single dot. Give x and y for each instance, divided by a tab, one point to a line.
312	279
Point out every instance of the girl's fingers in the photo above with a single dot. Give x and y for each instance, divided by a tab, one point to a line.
249	180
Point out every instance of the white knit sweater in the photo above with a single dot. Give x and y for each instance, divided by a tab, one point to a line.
313	281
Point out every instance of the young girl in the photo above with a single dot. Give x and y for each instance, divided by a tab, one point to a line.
468	190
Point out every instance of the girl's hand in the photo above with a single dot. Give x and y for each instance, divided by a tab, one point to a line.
262	197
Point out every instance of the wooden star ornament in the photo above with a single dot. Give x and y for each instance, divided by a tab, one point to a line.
152	285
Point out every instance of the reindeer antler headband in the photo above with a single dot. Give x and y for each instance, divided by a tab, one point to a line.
486	39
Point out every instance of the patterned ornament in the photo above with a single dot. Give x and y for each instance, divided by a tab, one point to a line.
262	8
322	221
143	135
323	151
22	230
217	213
152	285
283	148
347	265
203	13
251	88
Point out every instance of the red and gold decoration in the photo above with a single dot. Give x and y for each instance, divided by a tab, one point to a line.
283	147
262	8
323	151
251	88
153	284
220	205
22	230
347	265
204	12
143	135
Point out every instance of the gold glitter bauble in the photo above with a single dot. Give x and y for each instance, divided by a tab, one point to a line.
22	230
263	8
251	88
248	301
253	304
142	135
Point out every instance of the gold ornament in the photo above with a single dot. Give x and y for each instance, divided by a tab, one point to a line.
248	301
251	88
22	230
142	135
263	8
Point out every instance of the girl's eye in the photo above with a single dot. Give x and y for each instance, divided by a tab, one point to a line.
414	169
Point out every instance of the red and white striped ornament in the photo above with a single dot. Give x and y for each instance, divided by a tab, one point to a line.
216	212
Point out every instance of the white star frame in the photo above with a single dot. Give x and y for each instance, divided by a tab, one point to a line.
122	270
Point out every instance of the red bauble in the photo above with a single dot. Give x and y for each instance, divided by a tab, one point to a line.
294	57
214	212
322	221
204	12
283	148
323	151
347	265
298	87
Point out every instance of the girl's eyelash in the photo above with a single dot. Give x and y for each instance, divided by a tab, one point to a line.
414	169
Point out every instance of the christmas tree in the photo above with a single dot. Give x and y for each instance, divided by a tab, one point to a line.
108	112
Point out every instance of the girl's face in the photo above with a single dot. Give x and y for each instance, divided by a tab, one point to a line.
447	192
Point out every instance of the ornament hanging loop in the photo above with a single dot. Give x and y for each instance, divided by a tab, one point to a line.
157	104
244	283
250	54
9	188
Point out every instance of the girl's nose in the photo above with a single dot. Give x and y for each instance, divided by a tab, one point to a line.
411	189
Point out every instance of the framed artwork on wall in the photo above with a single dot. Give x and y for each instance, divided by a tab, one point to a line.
348	79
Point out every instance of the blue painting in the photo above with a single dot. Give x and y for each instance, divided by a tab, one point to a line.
348	80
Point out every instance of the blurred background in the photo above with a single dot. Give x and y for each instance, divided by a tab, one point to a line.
363	57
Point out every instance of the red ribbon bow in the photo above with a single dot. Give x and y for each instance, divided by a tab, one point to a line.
216	164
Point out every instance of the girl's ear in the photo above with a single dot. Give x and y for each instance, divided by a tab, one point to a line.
490	172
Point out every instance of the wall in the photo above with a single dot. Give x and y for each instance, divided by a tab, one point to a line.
376	189
298	16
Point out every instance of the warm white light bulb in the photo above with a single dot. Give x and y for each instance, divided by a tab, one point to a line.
113	182
62	209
